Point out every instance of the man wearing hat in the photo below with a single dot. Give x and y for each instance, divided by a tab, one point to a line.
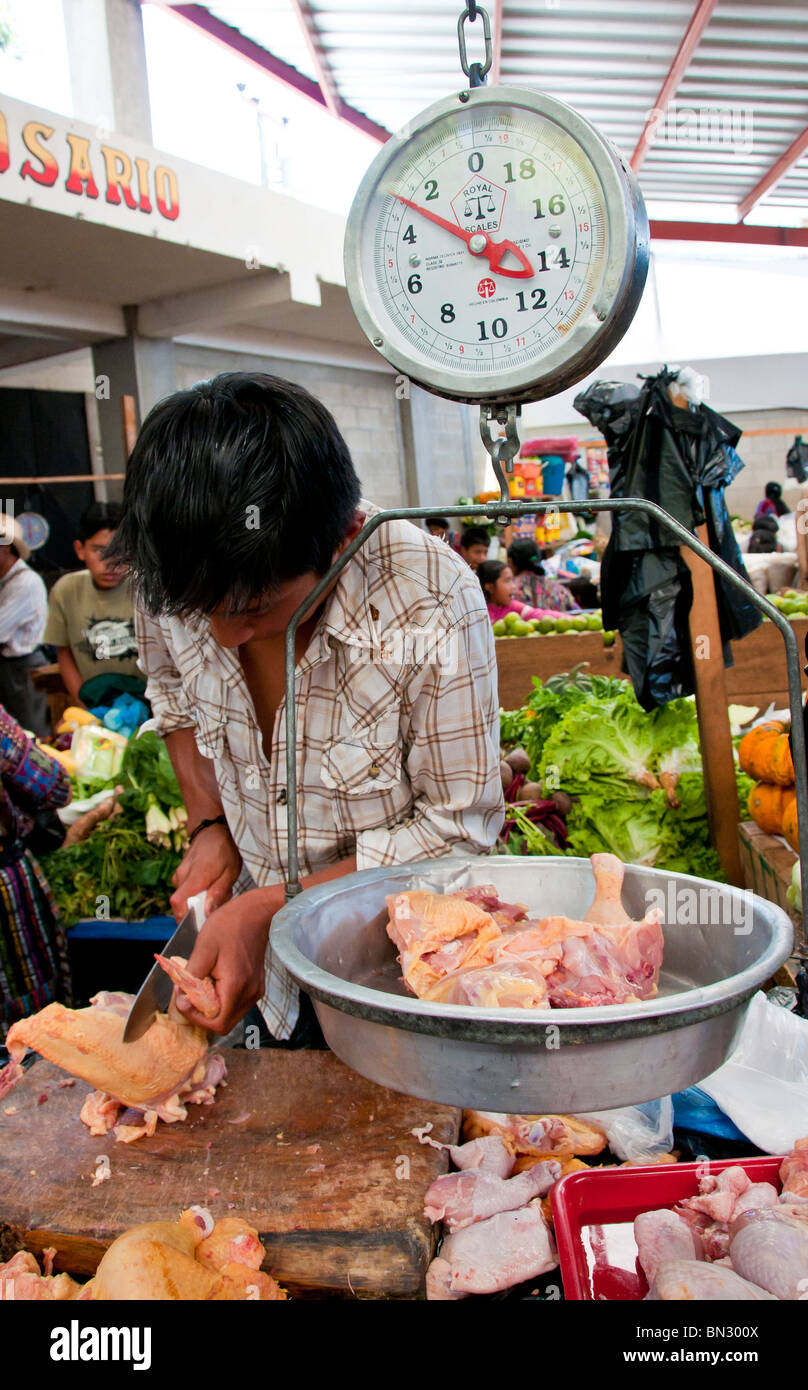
23	613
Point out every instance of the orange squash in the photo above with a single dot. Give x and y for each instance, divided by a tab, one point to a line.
768	805
790	826
764	753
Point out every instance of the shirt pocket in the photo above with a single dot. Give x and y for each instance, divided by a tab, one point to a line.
365	764
209	731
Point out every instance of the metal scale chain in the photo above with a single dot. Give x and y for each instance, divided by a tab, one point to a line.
504	447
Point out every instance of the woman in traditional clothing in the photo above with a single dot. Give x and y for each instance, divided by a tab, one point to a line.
533	586
34	969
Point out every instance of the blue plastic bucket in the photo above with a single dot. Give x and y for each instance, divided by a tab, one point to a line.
553	470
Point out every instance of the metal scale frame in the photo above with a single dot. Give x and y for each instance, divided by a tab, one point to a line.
503	451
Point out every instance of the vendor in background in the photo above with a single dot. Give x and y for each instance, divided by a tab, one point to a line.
240	494
23	611
772	503
91	618
532	584
474	545
437	526
763	540
498	585
34	967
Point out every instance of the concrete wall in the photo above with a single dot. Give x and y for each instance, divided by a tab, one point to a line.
363	404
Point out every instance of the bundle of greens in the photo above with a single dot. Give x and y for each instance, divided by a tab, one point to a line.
126	866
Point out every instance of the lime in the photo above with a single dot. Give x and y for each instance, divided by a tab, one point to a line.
499	629
563	624
594	623
510	620
546	624
577	624
608	638
519	628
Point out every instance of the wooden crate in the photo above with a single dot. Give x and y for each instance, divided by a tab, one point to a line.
757	678
767	864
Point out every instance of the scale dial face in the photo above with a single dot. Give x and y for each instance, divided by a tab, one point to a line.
497	247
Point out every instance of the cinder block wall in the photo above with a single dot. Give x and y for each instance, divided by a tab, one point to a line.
363	404
764	457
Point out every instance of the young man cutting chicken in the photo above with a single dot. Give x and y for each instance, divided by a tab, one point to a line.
239	495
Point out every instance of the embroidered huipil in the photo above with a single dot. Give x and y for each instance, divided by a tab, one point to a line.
397	735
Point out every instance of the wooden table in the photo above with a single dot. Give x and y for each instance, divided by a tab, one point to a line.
320	1161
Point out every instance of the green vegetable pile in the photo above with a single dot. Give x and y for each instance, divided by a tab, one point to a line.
130	858
636	776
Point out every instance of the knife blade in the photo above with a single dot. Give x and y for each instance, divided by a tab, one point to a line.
154	995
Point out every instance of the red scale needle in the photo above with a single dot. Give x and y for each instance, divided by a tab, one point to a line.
492	250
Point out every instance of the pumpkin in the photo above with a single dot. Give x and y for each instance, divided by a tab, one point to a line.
768	805
790	825
765	754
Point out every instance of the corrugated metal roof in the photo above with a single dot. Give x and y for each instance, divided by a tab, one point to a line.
741	103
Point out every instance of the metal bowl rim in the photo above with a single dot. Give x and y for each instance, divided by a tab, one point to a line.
375	1002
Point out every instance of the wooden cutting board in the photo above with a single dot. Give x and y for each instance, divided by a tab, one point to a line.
319	1160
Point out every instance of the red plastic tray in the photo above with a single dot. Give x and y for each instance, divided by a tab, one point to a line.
594	1217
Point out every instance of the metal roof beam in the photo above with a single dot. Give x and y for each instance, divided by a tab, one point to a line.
237	42
698	23
773	175
728	232
325	76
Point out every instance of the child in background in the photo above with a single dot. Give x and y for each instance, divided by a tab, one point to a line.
91	618
498	585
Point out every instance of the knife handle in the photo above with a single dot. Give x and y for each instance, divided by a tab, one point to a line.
197	902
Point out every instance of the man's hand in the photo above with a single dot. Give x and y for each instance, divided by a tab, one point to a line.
212	863
231	947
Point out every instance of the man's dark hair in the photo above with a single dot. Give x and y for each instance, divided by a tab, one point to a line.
233	487
437	521
99	516
474	535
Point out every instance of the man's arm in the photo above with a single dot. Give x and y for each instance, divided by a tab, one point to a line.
231	948
71	676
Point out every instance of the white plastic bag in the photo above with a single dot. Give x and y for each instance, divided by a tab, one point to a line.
764	1085
637	1133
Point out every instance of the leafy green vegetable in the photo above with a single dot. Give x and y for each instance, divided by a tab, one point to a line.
602	738
117	861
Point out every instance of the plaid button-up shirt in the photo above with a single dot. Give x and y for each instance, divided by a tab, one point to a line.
398	734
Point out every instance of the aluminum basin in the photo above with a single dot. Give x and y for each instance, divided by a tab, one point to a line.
721	944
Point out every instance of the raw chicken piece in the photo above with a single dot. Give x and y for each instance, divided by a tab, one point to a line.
544	1136
20	1280
692	1281
492	1255
770	1247
793	1171
436	935
462	1199
507	984
489	1155
718	1194
200	993
661	1236
232	1241
152	1077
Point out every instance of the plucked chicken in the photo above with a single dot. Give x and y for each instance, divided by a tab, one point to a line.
470	948
461	1199
136	1083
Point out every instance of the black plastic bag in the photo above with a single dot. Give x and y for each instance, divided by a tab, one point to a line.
797	460
682	459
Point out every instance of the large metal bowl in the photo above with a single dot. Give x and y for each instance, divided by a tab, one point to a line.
721	944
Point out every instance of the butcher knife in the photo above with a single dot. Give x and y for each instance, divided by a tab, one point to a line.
154	995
